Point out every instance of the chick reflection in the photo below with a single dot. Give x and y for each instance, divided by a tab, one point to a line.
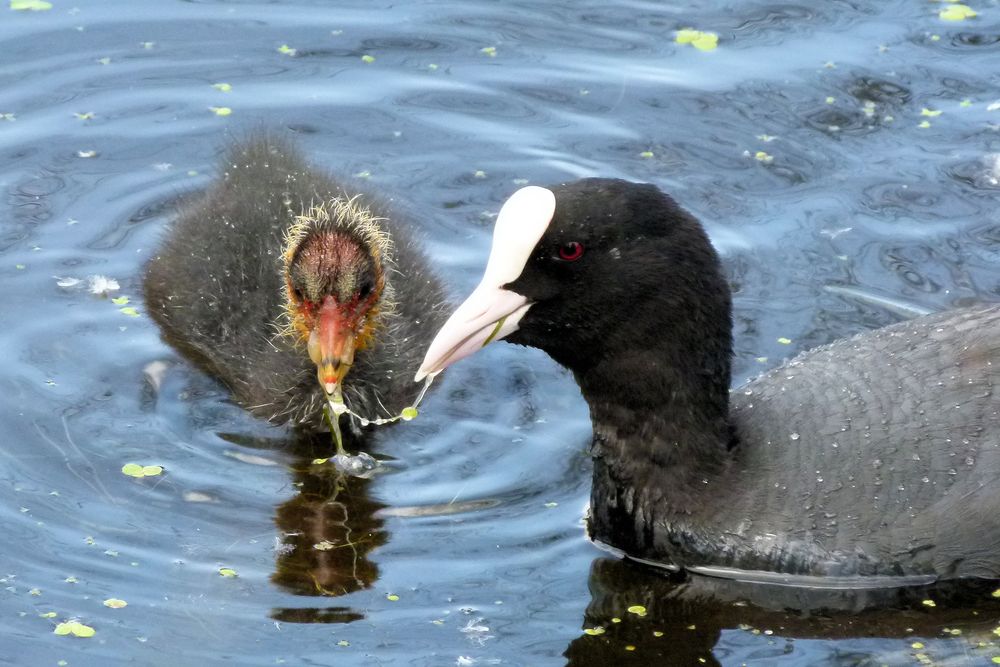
327	532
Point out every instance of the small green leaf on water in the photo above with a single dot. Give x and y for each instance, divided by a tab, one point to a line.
762	156
616	620
152	471
552	504
996	593
392	597
71	580
957	13
703	41
432	67
19	267
657	633
221	111
104	61
120	300
30	5
491	51
74	628
319	462
629	647
367	59
84	116
917	645
928	603
35	591
932	113
480	173
130	311
924	124
594	631
785	341
133	470
996	660
637	609
48	614
408	413
222	87
227	572
287	50
115	603
343	642
646	154
831	100
935	38
965	103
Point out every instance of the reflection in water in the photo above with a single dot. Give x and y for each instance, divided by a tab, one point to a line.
677	619
327	533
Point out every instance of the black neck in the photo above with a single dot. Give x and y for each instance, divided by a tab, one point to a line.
661	428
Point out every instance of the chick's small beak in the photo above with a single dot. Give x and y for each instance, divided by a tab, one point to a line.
331	343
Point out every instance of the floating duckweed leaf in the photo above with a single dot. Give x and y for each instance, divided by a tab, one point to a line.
924	124
637	609
929	112
147	45
996	593
965	103
616	620
437	621
20	267
35	591
104	61
48	614
287	50
71	580
432	67
130	311
491	51
766	138
629	647
646	154
221	111
553	504
115	603
222	87
935	38
136	470
30	5
762	156
957	13
120	300
392	597
831	100
479	173
917	645
319	462
703	41
343	642
785	341
84	116
408	413
132	470
928	603
75	628
995	660
86	154
227	572
367	59
593	631
657	633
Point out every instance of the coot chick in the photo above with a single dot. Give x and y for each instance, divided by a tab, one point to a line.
873	461
280	281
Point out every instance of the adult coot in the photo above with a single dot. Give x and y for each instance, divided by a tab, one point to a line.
874	461
279	276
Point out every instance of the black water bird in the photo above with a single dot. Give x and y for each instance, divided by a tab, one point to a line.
873	461
282	282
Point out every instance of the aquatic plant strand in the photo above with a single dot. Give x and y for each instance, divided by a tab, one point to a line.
336	407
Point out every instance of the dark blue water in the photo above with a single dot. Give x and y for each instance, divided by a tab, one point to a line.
470	549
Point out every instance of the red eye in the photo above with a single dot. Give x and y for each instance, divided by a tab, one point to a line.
571	251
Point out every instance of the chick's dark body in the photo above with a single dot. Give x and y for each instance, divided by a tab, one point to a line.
216	288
